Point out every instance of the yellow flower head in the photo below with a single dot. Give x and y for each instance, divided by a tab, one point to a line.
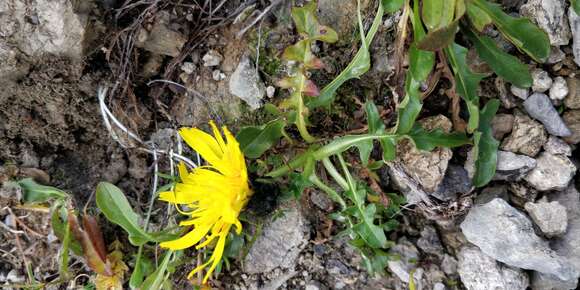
216	193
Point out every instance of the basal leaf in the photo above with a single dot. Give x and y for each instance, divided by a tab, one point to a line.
255	140
391	6
525	35
364	149
477	17
38	193
307	23
389	146
375	123
359	65
503	64
410	107
439	38
437	13
116	208
428	140
466	82
485	148
421	62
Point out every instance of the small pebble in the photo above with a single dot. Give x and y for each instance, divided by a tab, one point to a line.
559	90
188	67
270	91
212	58
218	75
541	81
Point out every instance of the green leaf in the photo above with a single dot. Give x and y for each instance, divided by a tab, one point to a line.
156	279
359	65
59	227
391	6
437	13
439	38
410	107
389	146
478	17
255	140
421	62
375	123
576	6
503	64
298	183
307	23
466	82
520	31
116	208
143	267
427	141
38	193
485	148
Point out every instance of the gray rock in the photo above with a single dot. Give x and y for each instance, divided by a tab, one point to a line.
540	108
281	241
212	58
572	101
527	137
502	124
491	192
520	193
575	27
402	267
555	146
551	17
559	90
456	181
553	172
449	265
246	84
519	92
479	271
556	55
429	241
161	39
542	281
541	81
550	217
512	167
572	120
413	191
439	286
507	235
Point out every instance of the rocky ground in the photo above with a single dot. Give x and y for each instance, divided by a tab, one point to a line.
522	231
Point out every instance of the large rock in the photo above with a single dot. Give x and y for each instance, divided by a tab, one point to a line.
540	108
575	27
566	246
512	167
43	26
479	271
550	217
508	236
553	172
551	17
572	120
527	137
246	84
281	241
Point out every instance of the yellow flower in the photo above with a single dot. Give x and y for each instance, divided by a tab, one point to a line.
216	193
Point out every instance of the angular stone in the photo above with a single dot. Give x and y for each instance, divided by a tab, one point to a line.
572	100
527	137
478	271
555	146
512	167
553	172
501	125
508	236
551	17
246	83
550	217
212	58
541	81
519	92
575	27
559	90
540	108
279	244
161	39
429	241
572	120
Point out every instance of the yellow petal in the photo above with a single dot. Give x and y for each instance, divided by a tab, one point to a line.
202	143
188	240
217	135
216	257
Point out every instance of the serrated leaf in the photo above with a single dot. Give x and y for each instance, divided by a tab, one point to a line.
410	107
116	208
477	17
525	35
255	140
428	140
391	6
485	146
466	82
437	13
421	62
307	23
503	64
359	65
38	193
